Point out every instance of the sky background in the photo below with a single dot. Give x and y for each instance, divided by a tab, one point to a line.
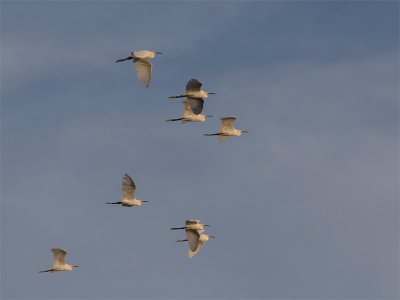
305	206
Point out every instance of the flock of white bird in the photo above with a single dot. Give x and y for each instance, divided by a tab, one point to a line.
192	112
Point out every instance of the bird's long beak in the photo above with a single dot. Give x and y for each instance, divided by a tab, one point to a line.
158	52
212	236
209	116
245	131
210	93
123	59
76	266
144	201
207	226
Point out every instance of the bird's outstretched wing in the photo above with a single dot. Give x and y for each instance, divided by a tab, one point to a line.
227	124
143	70
200	244
193	85
189	222
196	104
222	138
128	187
193	239
187	110
193	253
59	256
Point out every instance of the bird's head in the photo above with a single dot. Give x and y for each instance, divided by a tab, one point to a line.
206	237
70	267
154	53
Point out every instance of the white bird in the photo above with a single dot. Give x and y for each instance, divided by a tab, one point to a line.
188	115
192	225
196	240
128	193
193	91
141	60
227	129
59	262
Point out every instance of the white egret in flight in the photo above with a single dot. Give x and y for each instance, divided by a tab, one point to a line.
188	115
227	129
128	193
141	60
192	224
193	91
196	240
59	262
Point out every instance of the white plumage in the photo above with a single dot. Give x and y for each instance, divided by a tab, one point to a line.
189	105
227	129
194	91
128	193
59	263
194	236
196	240
192	224
141	60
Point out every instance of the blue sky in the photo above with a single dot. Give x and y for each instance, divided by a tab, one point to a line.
304	207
